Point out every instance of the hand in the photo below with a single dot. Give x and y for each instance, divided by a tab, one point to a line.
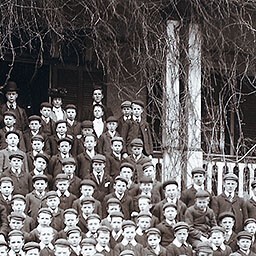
125	155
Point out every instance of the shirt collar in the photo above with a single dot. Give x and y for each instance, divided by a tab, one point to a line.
139	231
222	247
125	242
178	243
66	193
16	171
227	194
198	187
99	248
42	246
14	104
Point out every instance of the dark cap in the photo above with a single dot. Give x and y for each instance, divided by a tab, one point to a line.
60	122
93	216
67	139
166	205
72	230
146	180
88	182
113	201
70	211
170	182
6	179
37	137
153	231
249	220
12	132
103	228
244	235
180	225
120	178
87	124
88	241
11	86
202	194
16	155
45	105
51	194
30	246
128	223
226	214
15	233
138	102
19	197
9	113
204	247
230	176
35	118
62	243
45	210
198	170
70	106
68	160
116	138
42	155
61	176
16	216
116	214
39	177
112	119
147	164
137	143
216	229
126	103
87	200
128	165
99	158
144	214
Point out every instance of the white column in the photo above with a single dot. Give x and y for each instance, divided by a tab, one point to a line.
195	156
171	153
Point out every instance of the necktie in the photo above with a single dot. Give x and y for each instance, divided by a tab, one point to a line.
230	198
11	106
98	177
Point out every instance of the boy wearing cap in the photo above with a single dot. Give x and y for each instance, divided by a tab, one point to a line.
126	115
74	237
12	139
31	249
92	224
250	226
179	246
11	94
116	220
62	247
34	199
200	218
143	224
104	143
99	126
229	201
9	125
74	127
204	249
120	193
48	125
22	180
103	238
4	248
88	247
217	241
84	159
6	193
244	242
251	203
16	242
188	196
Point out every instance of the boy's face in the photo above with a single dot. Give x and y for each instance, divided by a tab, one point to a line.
9	121
74	239
71	114
12	140
244	244
87	190
64	147
69	169
93	225
230	186
88	250
103	238
120	187
57	102
11	96
144	222
98	167
111	126
44	219
146	187
37	145
251	228
87	208
126	172
202	203
61	251
98	112
34	125
15	224
154	241
198	179
150	172
127	111
113	207
144	204
129	233
16	163
45	112
33	252
53	202
18	205
16	243
62	185
40	185
170	213
117	146
217	238
46	235
70	219
137	150
116	223
40	164
137	110
171	191
89	142
227	223
6	188
87	131
4	251
97	96
61	128
182	235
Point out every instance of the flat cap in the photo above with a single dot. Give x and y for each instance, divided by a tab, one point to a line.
244	235
19	197
116	214
99	158
39	177
226	214
66	139
70	106
128	223
170	182
93	216
249	220
137	143
6	179
103	228
70	211
87	182
138	102
16	216
61	176
116	138
146	179
87	124
166	205
120	178
127	253
72	230
62	242
144	197
87	200
12	132
15	233
42	155
204	247
127	165
31	246
37	137
202	194
68	160
35	118
217	229
147	165
88	241
230	176
60	122
16	155
144	214
153	231
126	103
45	105
51	194
9	113
198	170
113	201
45	210
112	119
180	225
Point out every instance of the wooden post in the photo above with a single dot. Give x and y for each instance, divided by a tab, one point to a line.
171	153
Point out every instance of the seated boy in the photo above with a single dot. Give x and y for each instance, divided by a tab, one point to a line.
103	238
74	237
92	224
74	127
16	242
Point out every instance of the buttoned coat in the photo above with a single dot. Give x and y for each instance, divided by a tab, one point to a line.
167	233
104	143
84	165
173	249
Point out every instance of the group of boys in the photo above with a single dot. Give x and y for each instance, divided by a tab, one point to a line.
90	188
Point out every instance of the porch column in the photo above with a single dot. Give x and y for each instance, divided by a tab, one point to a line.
171	107
194	154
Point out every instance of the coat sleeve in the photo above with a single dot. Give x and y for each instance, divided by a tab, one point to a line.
3	221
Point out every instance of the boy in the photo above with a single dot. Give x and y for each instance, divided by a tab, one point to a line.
179	245
103	238
74	127
35	198
116	220
143	224
126	115
167	225
200	218
250	226
126	202
153	243
129	242
46	237
22	180
137	127
62	185
114	157
104	143
31	249
16	242
251	204
244	242
204	249
137	158
93	223
88	247
74	237
48	124
6	193
84	159
217	241
62	248
9	119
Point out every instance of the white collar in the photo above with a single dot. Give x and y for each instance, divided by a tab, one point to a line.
125	242
76	249
174	201
136	118
46	119
36	172
13	149
40	194
34	133
50	246
119	197
222	247
71	122
196	187
14	104
16	171
9	129
117	155
66	193
227	194
178	243
139	231
64	156
99	248
61	136
34	153
91	153
118	234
